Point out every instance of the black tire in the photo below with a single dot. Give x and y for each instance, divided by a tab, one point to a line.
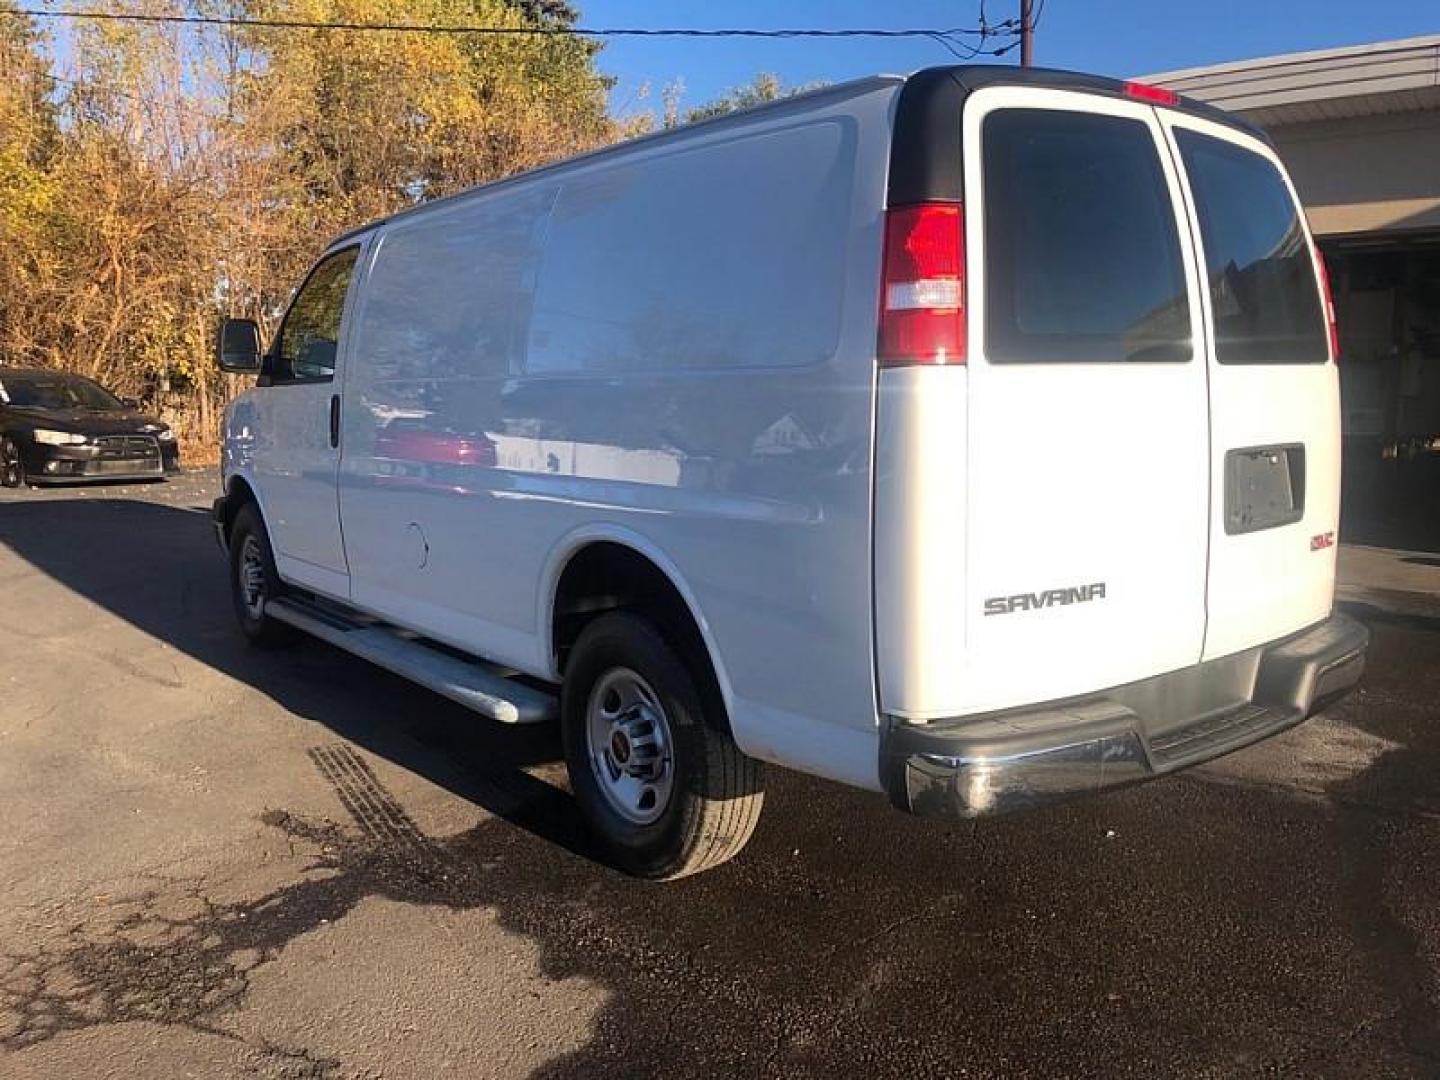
260	630
12	466
715	791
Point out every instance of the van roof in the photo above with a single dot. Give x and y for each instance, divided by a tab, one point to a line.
974	76
926	159
928	119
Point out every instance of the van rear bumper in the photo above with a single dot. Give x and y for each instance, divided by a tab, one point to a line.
1001	762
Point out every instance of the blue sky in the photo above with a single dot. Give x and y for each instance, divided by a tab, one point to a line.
1108	37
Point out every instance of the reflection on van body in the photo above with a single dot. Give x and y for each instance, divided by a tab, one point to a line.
603	333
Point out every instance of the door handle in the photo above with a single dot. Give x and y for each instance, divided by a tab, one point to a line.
334	421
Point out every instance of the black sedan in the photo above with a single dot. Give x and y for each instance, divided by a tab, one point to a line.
59	428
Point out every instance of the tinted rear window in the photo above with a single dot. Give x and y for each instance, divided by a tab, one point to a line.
1262	279
1082	257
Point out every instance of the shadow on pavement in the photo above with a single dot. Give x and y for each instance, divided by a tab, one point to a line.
1186	927
158	568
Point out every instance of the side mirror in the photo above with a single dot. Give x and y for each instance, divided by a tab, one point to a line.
239	347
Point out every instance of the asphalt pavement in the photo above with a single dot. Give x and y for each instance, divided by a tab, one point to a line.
219	862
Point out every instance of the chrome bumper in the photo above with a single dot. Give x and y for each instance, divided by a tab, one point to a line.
997	763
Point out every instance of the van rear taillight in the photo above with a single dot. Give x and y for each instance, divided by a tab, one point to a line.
1330	324
922	297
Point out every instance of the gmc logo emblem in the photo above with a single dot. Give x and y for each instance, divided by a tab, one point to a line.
1322	541
1080	594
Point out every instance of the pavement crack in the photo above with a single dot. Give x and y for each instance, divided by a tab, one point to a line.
172	954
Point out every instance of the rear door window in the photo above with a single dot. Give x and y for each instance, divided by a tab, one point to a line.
1263	292
1083	259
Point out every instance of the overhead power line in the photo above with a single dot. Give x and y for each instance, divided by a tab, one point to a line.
935	33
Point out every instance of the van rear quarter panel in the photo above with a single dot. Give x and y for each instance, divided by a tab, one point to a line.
677	351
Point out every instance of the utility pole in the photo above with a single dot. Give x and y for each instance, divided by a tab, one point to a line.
1027	34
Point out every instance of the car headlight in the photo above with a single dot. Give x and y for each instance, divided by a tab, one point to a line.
166	434
59	438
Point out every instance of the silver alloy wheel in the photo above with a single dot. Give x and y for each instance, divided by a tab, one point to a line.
629	745
251	573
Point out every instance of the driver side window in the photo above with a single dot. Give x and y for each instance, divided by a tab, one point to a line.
310	336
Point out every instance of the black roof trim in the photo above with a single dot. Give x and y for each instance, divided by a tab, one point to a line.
925	151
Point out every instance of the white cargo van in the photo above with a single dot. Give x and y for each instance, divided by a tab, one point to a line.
971	437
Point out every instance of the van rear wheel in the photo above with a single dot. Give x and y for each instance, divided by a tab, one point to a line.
658	778
254	582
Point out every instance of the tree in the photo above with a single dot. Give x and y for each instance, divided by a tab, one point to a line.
560	12
180	173
365	124
28	138
764	87
383	120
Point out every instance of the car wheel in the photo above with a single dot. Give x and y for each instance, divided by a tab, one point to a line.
658	778
12	468
254	581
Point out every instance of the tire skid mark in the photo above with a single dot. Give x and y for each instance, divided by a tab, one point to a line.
380	817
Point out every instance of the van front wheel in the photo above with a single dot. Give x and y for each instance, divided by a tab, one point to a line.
658	778
254	581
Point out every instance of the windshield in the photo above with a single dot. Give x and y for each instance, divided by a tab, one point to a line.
56	392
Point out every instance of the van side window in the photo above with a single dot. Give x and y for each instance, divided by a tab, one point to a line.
311	334
1083	259
1263	292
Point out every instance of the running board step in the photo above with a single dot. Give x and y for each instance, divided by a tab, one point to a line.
475	685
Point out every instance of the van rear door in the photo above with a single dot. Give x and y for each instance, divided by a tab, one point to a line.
1088	478
1274	392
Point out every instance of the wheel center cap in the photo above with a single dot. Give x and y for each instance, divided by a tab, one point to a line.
620	747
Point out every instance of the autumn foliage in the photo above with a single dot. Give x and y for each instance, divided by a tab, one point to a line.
154	177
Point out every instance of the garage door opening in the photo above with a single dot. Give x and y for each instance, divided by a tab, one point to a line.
1387	298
